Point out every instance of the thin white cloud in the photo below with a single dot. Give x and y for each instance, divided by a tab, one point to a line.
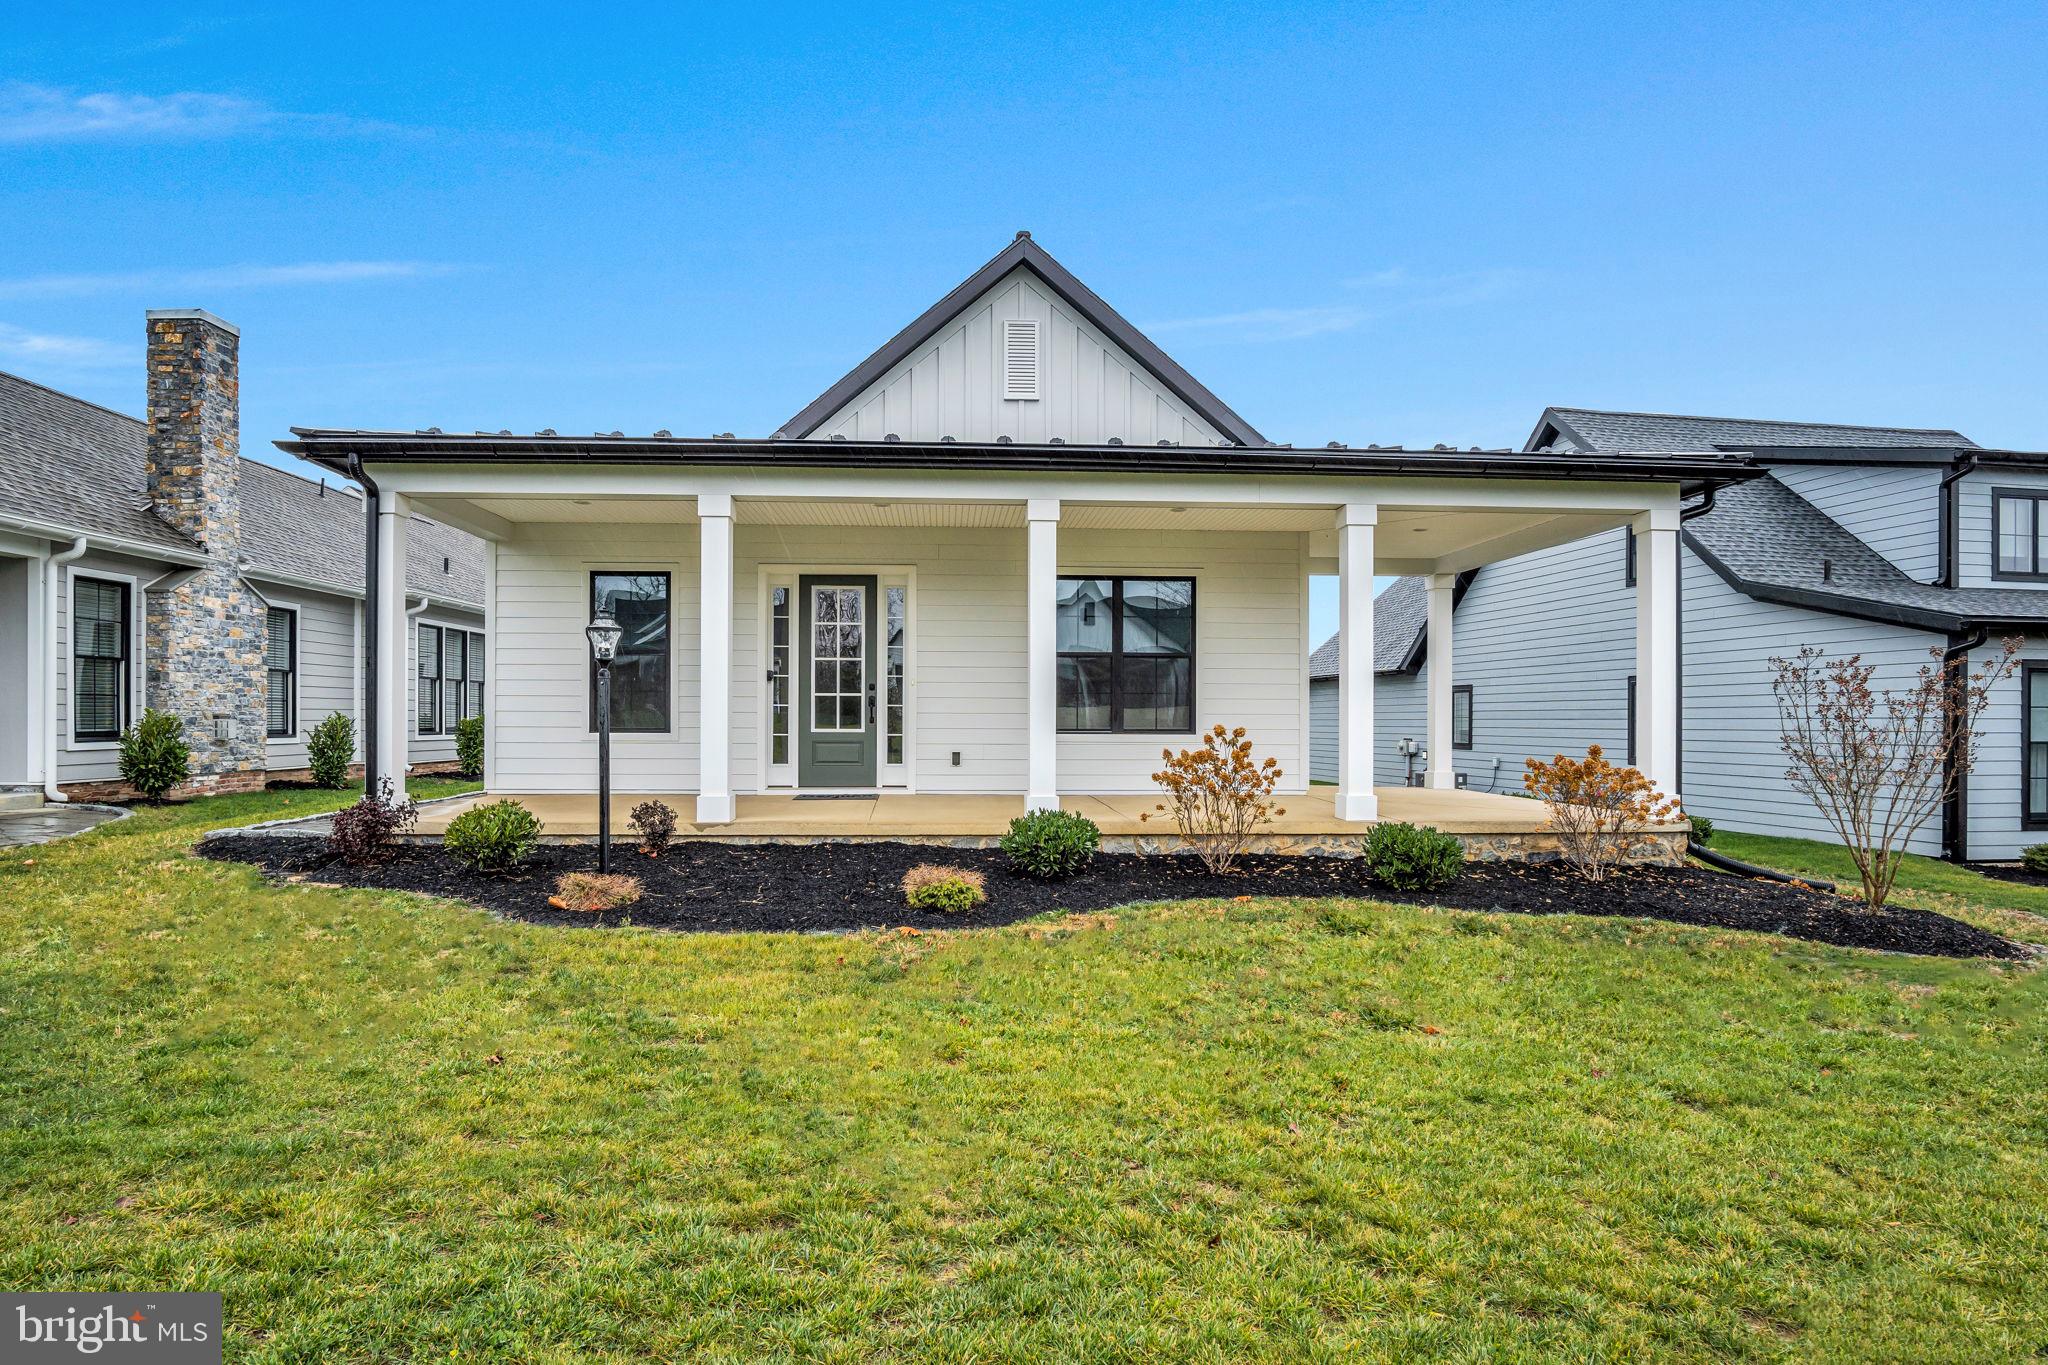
1386	293
221	277
18	344
42	113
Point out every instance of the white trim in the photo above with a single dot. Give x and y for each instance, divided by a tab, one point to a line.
1041	653
138	645
490	665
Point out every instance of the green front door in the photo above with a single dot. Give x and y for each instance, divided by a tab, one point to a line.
836	676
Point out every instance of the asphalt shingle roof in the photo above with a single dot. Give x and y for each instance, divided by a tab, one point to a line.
74	464
1594	431
1400	613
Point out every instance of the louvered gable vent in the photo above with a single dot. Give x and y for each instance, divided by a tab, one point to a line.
1020	358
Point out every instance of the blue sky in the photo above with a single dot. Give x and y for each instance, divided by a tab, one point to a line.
1411	223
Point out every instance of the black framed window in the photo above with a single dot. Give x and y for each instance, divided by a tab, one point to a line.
281	664
2034	746
429	690
639	602
1461	716
2019	533
1126	655
1631	720
454	675
100	659
1628	555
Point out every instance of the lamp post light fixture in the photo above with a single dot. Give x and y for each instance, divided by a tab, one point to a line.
604	634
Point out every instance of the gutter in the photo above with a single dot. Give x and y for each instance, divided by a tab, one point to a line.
372	596
52	588
1955	802
50	530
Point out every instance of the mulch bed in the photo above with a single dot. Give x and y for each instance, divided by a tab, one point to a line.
837	887
2011	872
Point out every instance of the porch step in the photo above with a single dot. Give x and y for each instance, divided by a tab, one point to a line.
20	799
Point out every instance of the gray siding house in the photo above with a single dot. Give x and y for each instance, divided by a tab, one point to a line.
1876	541
146	563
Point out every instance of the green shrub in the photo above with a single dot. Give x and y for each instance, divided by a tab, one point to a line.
492	838
1702	828
330	749
2035	857
154	755
1051	843
1411	859
469	746
949	890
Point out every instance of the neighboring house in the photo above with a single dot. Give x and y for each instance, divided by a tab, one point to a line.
1887	543
1017	550
146	563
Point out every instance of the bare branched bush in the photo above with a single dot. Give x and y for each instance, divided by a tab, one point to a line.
1878	763
1219	795
1601	812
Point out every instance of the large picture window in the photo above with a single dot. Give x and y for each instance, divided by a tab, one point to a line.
281	664
100	659
1126	655
639	603
2019	533
2034	746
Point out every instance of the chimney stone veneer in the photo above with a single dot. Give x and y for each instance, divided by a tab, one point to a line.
206	627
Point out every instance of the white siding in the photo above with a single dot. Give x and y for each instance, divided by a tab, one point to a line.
1091	388
1973	517
1894	509
100	762
968	660
1995	805
326	627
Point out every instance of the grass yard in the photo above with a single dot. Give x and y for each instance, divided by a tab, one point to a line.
2014	909
388	1127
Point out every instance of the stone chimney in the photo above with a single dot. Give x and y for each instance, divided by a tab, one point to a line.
206	627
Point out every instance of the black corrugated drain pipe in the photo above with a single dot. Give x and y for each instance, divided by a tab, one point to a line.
372	591
1742	869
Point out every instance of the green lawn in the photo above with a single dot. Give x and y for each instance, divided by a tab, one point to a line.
388	1127
2010	908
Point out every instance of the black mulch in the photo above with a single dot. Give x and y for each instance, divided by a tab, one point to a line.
830	887
2011	872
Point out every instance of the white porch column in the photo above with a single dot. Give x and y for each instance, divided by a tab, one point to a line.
1355	799
1041	692
714	660
1442	774
1657	648
394	642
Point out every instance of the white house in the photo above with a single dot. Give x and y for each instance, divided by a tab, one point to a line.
1010	556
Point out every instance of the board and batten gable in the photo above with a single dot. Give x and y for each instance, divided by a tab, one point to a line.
1090	389
1894	509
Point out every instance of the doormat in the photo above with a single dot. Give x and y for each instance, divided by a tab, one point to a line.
836	796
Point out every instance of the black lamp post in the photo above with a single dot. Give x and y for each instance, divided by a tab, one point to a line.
604	644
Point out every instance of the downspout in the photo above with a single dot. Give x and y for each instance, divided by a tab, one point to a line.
1955	804
1949	532
53	579
372	591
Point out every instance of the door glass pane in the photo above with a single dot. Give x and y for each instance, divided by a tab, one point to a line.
898	609
838	659
1159	616
1084	693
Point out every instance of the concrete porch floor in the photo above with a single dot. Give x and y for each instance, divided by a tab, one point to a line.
1308	814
